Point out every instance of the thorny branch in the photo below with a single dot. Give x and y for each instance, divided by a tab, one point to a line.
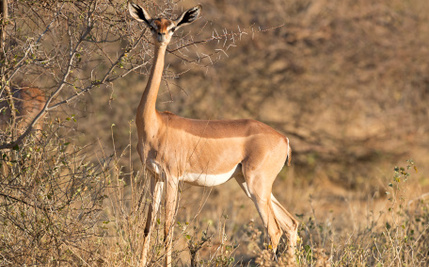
107	76
225	37
72	54
74	48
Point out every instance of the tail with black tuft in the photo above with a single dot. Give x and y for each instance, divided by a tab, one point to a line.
289	153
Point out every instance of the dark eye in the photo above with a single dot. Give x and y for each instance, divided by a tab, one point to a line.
173	29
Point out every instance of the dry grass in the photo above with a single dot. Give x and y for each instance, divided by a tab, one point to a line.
216	227
346	81
220	227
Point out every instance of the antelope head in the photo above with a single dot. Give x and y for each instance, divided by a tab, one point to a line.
162	29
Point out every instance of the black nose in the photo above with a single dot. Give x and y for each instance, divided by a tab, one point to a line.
161	37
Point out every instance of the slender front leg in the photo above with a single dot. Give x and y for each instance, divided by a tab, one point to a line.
170	212
156	191
149	212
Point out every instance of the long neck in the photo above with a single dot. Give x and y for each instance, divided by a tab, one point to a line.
146	109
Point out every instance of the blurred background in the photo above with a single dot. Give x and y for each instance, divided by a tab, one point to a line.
346	81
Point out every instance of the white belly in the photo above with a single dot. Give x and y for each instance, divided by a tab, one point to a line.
208	180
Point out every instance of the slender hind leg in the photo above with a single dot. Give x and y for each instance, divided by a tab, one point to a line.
261	196
288	223
274	216
262	201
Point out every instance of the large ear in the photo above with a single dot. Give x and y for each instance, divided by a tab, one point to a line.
139	13
188	16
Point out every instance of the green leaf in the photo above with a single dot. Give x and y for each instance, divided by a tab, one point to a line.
388	226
